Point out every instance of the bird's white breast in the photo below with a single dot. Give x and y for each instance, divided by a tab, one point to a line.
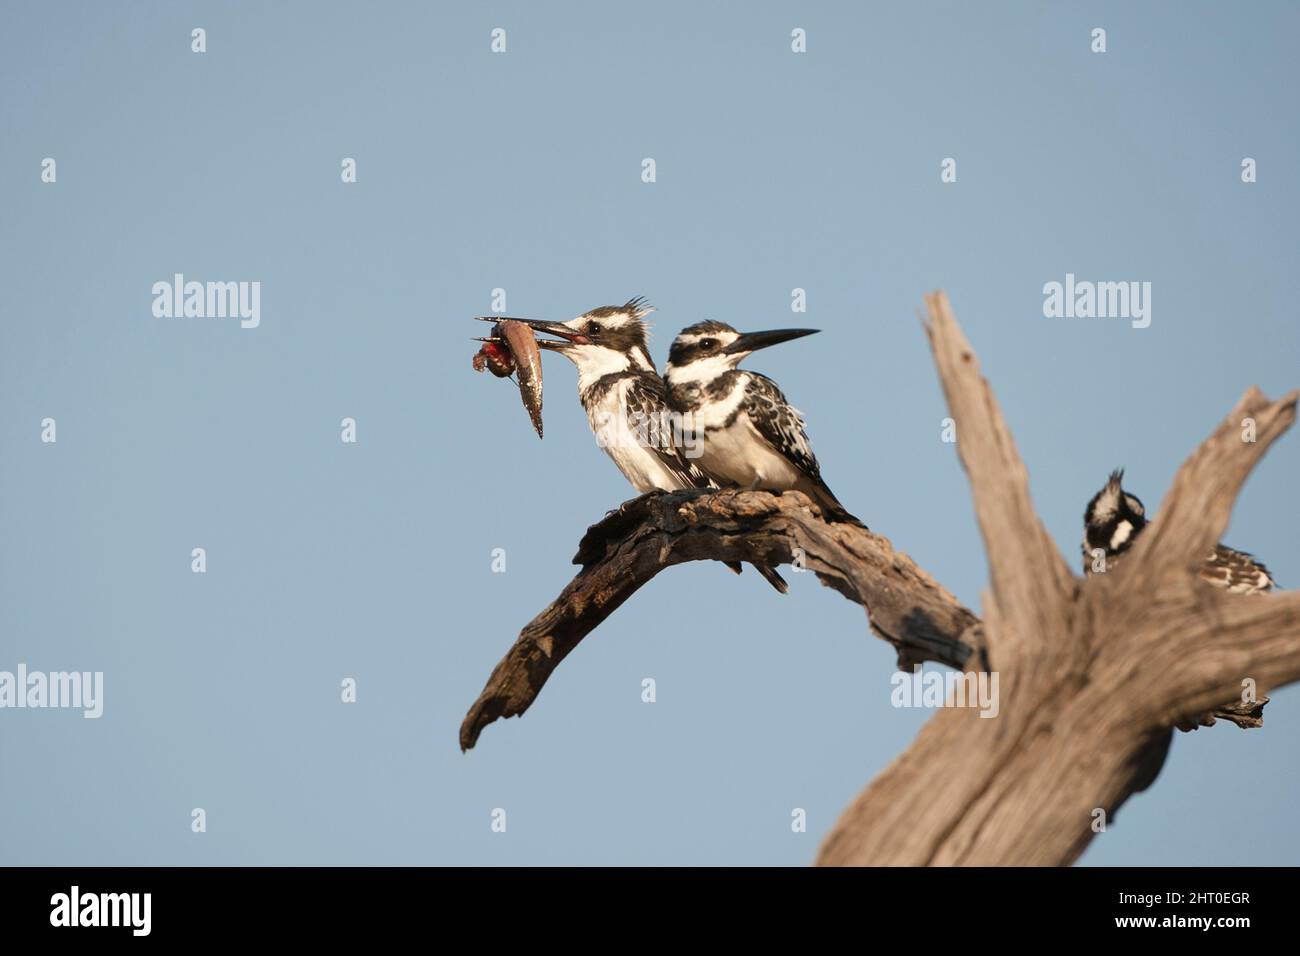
627	445
741	455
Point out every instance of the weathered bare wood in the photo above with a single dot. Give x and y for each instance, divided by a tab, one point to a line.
1092	674
630	546
1246	715
1195	513
1014	538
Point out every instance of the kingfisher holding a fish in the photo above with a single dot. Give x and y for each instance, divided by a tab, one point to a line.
621	391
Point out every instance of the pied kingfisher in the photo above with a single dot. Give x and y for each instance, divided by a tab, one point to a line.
1113	520
752	437
627	402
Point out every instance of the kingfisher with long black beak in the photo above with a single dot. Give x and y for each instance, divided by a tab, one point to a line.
752	437
1112	522
1115	517
627	401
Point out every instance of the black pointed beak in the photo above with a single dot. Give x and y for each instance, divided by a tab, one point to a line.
753	341
569	336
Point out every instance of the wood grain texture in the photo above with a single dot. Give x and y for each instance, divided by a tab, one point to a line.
1093	674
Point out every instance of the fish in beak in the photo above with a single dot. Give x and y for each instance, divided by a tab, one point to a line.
567	336
513	348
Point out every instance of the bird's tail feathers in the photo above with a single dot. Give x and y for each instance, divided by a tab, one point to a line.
832	510
772	577
769	573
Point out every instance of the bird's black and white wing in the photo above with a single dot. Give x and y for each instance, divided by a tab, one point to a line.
646	407
780	425
1236	571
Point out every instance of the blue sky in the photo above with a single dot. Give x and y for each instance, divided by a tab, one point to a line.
521	171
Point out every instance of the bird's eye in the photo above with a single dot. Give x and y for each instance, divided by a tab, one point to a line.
593	328
708	344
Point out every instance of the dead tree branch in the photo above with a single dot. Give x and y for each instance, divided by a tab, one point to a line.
630	546
1092	673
